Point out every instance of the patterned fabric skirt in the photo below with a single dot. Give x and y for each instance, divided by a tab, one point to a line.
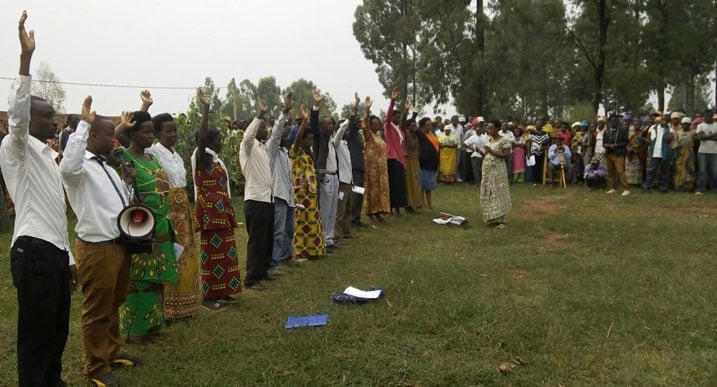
494	192
685	174
182	299
219	263
447	165
633	170
142	310
413	183
308	230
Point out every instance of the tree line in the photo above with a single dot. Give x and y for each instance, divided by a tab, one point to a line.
532	58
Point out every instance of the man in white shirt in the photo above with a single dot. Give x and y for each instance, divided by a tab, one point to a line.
97	196
659	155
255	162
283	191
42	266
343	209
476	143
707	153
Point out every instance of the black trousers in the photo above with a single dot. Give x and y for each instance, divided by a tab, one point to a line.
41	274
259	220
356	199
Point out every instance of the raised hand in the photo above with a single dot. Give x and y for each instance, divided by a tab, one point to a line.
86	114
127	120
357	99
262	108
352	111
27	40
414	110
288	103
304	112
202	98
317	97
146	98
407	106
394	93
368	104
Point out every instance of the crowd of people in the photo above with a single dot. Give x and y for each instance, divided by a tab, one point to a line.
307	183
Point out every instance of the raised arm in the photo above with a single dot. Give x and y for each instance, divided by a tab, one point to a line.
126	122
147	100
339	135
368	135
389	113
314	118
19	102
302	126
277	131
202	142
74	155
404	115
247	142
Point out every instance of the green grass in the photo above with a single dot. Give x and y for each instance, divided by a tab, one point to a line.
585	288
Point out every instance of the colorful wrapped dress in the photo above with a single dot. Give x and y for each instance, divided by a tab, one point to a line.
495	200
376	195
218	257
142	310
308	230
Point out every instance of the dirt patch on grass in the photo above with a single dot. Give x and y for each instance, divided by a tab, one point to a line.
535	210
556	240
518	275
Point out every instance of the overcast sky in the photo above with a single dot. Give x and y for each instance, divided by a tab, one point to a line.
176	43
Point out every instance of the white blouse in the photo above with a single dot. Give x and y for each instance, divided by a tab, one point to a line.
172	163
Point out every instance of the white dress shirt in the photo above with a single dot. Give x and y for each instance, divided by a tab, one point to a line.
32	175
283	187
90	189
255	163
477	141
171	162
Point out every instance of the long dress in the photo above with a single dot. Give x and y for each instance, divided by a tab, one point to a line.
684	177
495	200
518	156
219	257
376	195
447	165
308	230
634	159
413	171
143	309
182	299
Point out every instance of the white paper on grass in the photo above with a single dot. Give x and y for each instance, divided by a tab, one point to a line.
357	190
458	220
371	294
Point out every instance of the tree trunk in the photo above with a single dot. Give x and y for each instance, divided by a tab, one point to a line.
480	48
599	77
661	98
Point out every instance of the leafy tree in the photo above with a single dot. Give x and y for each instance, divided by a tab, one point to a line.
239	105
681	96
301	93
270	93
46	84
387	33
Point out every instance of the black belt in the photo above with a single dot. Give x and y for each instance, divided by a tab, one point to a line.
115	241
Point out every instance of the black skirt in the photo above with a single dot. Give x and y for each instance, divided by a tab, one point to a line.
397	184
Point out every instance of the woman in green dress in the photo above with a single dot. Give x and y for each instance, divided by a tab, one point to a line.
142	314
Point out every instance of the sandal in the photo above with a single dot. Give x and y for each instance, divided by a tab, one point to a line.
212	305
230	299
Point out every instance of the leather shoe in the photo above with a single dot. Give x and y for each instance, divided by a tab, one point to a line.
254	286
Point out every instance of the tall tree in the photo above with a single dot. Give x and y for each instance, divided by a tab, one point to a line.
301	93
387	34
46	84
268	91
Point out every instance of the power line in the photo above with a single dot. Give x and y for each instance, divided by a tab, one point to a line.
108	85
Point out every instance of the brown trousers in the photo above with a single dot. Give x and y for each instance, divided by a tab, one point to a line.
103	272
614	164
343	212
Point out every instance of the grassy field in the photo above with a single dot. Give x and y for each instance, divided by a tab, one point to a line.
581	288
